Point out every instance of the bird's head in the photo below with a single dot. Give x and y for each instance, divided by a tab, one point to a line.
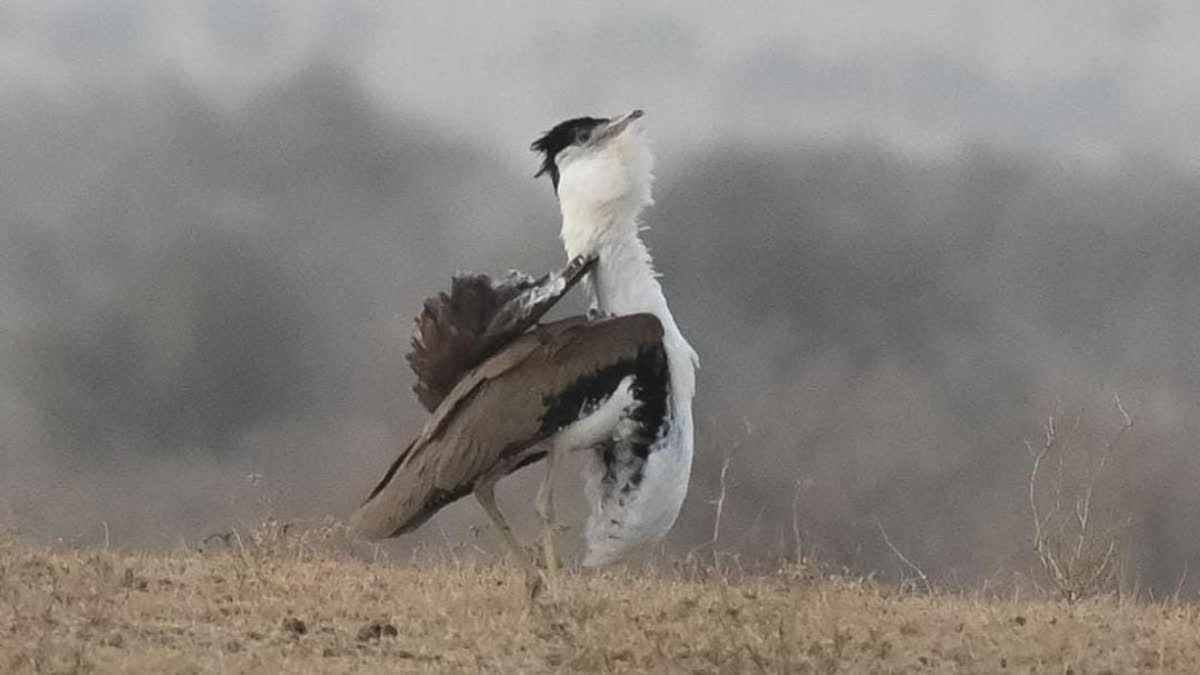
601	168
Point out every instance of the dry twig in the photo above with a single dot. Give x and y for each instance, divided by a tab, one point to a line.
903	558
1066	544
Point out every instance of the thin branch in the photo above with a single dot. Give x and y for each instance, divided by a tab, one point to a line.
796	524
904	559
1033	475
1182	578
1050	439
1083	507
241	548
719	502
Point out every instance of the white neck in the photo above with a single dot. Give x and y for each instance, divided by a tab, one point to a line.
624	282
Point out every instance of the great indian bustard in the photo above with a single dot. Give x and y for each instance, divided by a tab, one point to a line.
504	392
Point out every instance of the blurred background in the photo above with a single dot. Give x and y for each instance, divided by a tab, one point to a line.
899	237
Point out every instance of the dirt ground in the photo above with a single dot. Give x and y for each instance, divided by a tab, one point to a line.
248	608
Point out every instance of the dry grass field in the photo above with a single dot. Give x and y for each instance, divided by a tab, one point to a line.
260	606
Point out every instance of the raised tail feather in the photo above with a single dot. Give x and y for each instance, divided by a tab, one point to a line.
457	331
449	336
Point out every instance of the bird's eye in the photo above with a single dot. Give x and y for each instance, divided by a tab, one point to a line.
583	135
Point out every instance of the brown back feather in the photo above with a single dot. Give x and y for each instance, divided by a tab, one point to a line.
493	412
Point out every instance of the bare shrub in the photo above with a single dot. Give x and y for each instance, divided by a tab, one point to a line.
1077	549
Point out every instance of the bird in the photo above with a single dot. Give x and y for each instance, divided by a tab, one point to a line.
505	391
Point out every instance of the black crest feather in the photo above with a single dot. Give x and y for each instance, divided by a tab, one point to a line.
557	139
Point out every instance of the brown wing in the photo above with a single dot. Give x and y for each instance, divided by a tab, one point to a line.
457	331
501	408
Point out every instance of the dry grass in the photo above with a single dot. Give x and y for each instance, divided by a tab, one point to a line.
265	605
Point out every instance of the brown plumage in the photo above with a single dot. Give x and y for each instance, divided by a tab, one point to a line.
457	331
492	421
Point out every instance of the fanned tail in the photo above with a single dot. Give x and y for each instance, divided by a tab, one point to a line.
457	331
450	336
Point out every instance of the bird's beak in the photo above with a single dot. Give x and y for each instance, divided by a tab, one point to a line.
616	125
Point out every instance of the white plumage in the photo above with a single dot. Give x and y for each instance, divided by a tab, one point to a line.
602	192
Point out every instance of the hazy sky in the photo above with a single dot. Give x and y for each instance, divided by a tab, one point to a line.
1091	78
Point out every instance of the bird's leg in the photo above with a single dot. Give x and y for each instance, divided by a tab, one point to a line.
485	493
545	510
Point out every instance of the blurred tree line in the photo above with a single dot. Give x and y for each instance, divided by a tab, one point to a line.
878	332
